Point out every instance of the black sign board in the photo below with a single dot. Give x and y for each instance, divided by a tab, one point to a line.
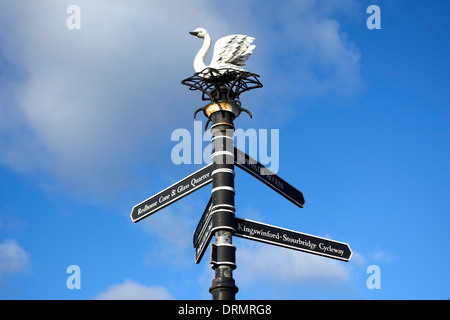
173	193
292	239
204	220
256	169
203	241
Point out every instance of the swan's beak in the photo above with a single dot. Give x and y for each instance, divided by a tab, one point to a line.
194	33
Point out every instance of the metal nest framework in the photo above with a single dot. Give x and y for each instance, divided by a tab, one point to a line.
222	84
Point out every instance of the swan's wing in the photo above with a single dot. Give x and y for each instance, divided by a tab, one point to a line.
234	49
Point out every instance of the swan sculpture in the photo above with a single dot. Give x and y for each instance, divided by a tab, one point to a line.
230	52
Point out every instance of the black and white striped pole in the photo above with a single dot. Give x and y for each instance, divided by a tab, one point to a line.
223	252
222	89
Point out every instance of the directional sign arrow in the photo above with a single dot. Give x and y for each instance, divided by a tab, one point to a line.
263	174
204	220
292	239
203	241
173	193
208	225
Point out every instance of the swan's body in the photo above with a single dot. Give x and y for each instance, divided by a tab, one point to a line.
230	52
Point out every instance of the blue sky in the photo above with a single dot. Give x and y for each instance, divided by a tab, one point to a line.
86	118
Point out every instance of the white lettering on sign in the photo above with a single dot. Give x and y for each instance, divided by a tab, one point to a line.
147	207
163	198
290	239
201	179
330	249
182	188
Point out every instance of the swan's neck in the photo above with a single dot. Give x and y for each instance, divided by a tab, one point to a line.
199	61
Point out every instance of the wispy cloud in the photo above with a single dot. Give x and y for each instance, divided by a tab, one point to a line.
172	236
130	290
304	53
380	255
87	107
13	258
287	266
82	106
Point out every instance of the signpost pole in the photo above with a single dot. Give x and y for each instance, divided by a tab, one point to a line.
222	87
222	115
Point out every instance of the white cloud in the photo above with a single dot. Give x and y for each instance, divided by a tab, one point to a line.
308	54
380	255
87	107
130	290
172	231
13	258
287	267
84	105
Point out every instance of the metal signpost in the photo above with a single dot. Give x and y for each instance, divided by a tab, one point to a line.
221	84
